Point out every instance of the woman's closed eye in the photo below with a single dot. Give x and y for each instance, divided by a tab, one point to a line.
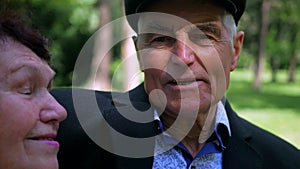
25	89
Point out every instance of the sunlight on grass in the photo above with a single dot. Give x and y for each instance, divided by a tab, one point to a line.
284	124
275	108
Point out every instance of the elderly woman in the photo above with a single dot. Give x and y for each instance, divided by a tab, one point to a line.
29	115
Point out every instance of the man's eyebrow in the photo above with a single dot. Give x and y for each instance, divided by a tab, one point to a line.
209	27
154	27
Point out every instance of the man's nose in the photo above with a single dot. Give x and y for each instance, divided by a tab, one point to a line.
52	110
184	52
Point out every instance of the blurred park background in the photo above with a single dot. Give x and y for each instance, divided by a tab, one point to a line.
265	88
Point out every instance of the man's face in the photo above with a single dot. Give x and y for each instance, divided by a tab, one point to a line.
188	59
29	115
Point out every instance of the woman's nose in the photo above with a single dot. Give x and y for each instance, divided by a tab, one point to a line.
52	110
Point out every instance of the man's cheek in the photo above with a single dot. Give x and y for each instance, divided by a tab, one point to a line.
154	59
214	67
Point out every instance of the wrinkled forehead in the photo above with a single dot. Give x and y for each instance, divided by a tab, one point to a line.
165	23
14	55
154	21
176	16
26	67
28	61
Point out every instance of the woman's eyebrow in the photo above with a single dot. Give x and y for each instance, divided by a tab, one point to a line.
33	71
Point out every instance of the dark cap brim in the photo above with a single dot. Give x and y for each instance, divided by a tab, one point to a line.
235	7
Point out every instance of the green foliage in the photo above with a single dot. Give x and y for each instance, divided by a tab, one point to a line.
283	37
249	23
283	30
67	24
246	60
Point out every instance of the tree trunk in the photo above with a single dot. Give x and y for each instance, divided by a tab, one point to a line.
99	72
293	59
292	68
260	63
274	66
274	60
130	62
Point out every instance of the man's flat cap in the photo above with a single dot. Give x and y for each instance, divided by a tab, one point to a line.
235	7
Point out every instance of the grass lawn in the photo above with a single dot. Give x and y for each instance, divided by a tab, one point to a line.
275	108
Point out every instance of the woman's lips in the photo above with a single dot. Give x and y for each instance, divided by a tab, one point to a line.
48	139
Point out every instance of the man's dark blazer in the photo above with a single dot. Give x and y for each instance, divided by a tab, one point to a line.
249	147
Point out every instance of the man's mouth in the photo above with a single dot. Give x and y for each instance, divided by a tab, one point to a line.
182	82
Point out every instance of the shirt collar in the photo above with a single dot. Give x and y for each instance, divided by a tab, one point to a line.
222	128
222	118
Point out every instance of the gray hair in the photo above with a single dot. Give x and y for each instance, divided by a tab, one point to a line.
230	26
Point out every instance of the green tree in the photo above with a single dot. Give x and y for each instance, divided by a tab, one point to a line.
281	40
283	37
67	24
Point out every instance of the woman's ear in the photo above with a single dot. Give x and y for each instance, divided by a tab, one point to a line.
237	46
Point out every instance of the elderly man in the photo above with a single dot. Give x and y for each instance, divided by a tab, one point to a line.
186	50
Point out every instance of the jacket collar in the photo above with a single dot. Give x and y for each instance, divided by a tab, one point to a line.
133	102
239	152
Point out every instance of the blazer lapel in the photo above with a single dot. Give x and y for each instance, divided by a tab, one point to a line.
239	153
121	117
127	133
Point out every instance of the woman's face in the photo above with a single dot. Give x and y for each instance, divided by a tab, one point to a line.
29	115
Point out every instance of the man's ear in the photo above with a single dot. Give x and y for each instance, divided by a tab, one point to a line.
237	46
135	39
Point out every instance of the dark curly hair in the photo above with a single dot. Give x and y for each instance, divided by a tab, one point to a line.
12	25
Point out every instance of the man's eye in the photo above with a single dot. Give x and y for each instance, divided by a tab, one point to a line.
201	39
200	36
27	93
162	41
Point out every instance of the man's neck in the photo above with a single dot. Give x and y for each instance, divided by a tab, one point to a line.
187	134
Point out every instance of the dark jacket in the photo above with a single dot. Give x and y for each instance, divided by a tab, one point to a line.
249	147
